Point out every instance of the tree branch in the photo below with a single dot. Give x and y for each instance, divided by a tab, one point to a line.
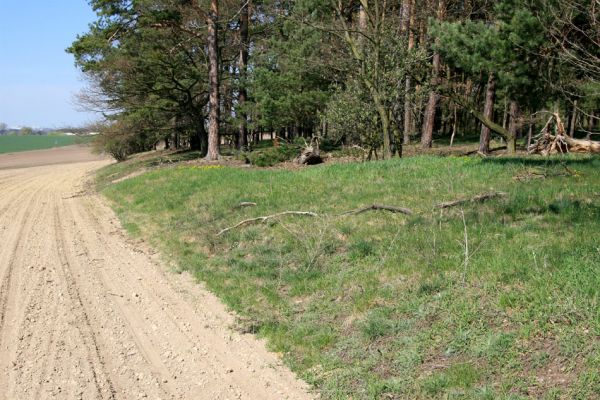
478	198
266	218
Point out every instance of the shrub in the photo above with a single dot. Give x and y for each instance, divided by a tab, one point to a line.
121	139
274	155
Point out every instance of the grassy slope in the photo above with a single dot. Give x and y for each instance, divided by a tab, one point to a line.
381	305
12	144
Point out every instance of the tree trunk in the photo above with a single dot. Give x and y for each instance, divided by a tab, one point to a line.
231	137
362	27
513	126
530	134
396	131
454	124
423	33
385	125
176	140
373	90
429	117
505	114
408	119
243	66
573	121
408	27
199	138
405	12
488	112
213	77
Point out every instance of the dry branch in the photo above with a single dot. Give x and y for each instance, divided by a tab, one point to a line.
266	218
472	152
393	209
532	174
244	204
478	198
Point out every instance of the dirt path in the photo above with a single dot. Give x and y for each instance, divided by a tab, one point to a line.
84	314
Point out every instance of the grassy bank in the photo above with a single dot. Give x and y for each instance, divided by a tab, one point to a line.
13	144
487	300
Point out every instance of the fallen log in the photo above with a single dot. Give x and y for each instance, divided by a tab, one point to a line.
582	145
558	142
479	198
384	207
266	218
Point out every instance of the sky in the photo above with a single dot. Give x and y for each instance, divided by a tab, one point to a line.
38	79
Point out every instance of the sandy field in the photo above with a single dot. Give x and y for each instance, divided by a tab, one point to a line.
59	155
87	313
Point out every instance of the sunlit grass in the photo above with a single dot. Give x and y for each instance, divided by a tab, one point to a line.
381	305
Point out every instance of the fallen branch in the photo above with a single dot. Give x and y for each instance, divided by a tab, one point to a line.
472	152
543	174
530	175
393	209
478	198
244	204
266	218
80	194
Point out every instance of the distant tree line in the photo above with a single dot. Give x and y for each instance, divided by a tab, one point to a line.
375	73
28	131
22	131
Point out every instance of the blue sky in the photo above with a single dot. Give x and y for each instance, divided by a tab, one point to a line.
37	78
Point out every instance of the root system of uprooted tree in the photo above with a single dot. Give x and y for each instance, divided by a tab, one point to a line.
553	139
311	154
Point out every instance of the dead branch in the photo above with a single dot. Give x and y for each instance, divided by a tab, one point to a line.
79	194
244	204
536	173
530	175
266	218
472	152
479	198
393	209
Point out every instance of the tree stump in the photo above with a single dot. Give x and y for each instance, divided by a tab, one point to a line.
311	154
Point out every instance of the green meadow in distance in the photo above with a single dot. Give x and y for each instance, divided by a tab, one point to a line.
13	144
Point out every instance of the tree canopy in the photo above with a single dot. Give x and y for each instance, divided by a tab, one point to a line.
374	73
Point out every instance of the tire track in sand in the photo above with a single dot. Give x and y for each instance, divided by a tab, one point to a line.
95	317
100	376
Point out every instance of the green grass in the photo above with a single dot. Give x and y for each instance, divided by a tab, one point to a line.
13	143
385	306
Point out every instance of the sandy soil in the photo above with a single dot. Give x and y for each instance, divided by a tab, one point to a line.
87	314
58	155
